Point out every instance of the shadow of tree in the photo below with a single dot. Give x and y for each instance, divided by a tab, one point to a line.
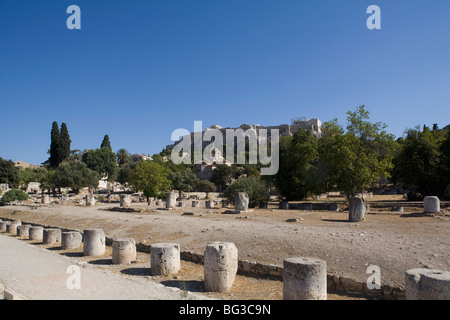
336	220
188	285
101	261
54	248
416	215
136	271
72	254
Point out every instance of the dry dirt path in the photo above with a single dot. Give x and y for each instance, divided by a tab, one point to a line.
39	274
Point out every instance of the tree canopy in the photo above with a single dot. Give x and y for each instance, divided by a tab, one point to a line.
124	173
54	145
298	155
356	159
64	144
106	143
123	157
28	175
59	144
151	178
223	175
102	161
183	179
9	173
75	175
422	163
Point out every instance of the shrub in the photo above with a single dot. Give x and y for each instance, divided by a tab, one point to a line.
13	195
257	190
9	173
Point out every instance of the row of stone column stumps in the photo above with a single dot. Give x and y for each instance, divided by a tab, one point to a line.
304	278
358	207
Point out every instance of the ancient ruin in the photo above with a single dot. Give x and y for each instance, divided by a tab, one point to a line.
165	258
94	242
123	251
220	266
71	240
304	279
51	236
427	284
36	233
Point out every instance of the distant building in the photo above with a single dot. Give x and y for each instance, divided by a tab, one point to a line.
313	125
23	164
138	156
204	170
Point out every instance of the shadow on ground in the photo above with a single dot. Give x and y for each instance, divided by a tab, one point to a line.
186	285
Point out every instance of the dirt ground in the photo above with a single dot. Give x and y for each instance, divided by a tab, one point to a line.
394	241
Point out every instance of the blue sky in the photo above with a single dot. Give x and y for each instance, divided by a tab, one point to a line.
137	70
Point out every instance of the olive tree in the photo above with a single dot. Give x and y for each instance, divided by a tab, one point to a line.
75	175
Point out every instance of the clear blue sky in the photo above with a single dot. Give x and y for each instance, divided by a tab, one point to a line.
139	69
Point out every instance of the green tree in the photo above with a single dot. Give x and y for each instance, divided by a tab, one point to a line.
55	158
445	164
206	186
59	144
28	175
75	155
9	173
298	156
358	158
102	161
421	164
257	190
124	173
64	142
123	157
183	179
223	175
106	143
47	181
151	178
75	175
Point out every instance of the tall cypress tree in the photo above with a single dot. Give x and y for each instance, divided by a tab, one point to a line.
64	142
59	145
106	143
54	146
